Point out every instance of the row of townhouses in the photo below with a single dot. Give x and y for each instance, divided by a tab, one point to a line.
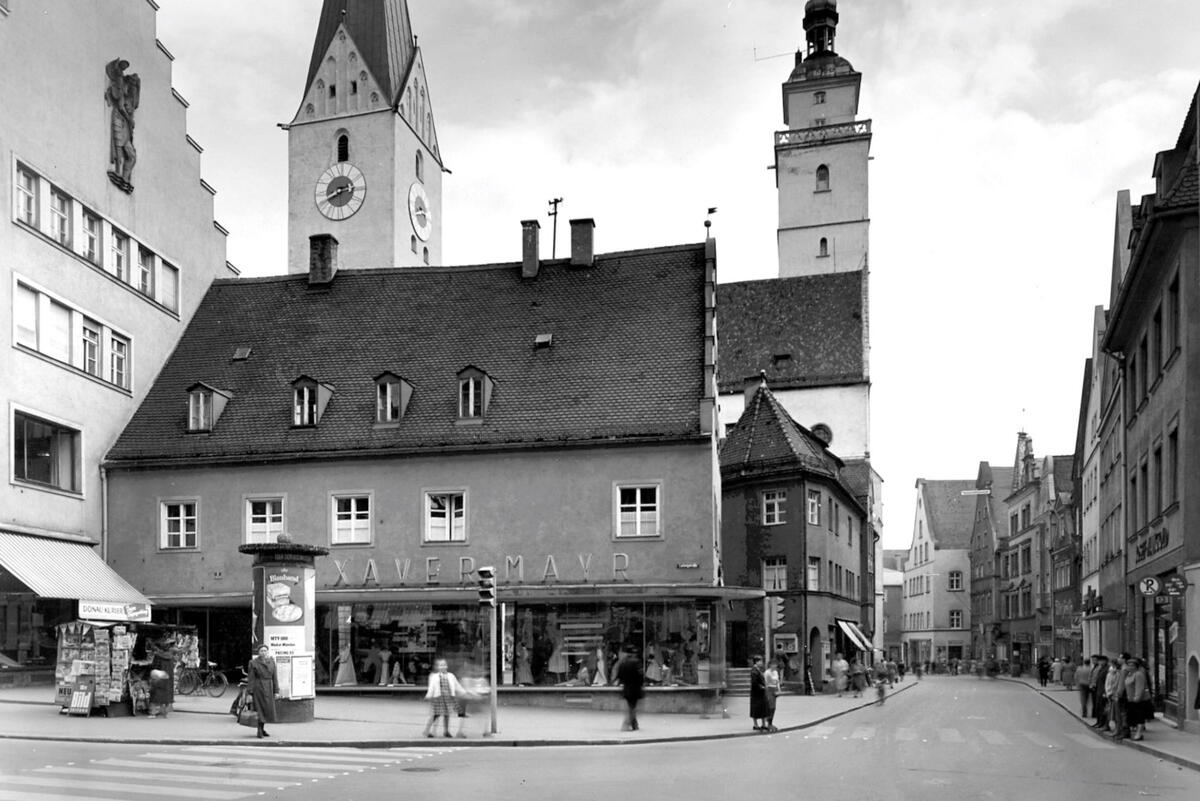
646	457
1094	551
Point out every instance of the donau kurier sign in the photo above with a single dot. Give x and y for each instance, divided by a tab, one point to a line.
114	610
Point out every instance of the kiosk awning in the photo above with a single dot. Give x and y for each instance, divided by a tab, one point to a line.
855	635
58	568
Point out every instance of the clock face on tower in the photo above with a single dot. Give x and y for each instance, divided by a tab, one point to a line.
418	211
340	191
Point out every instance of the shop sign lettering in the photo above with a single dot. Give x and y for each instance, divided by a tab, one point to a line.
1151	545
376	573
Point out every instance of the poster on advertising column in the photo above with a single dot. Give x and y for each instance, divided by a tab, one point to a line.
285	606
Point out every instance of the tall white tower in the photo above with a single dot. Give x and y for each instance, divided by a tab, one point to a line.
821	159
363	157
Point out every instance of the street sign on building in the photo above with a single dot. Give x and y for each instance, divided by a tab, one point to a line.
1176	585
1150	585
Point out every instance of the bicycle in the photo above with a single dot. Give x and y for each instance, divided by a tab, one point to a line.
194	679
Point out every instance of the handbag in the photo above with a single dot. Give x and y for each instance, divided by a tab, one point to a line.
247	715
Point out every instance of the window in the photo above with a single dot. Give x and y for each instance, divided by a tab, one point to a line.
351	519
823	248
304	405
343	147
474	393
445	517
1156	341
425	255
773	513
354	87
146	272
956	580
1173	314
818	122
814	573
822	178
928	583
26	316
412	242
91	237
419	166
120	255
814	507
332	90
200	410
264	519
169	291
1172	492
774	573
638	511
1144	376
1144	497
27	196
178	525
118	357
45	453
818	98
60	218
956	619
1159	489
387	403
91	347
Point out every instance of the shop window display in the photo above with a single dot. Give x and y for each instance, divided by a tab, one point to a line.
543	644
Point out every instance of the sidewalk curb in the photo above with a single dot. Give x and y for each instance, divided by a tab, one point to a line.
427	742
1134	744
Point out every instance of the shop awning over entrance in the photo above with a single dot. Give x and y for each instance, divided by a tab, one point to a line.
854	633
58	568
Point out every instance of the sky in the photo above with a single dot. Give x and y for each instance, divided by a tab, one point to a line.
1002	132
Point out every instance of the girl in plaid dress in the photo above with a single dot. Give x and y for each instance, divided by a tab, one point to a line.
443	689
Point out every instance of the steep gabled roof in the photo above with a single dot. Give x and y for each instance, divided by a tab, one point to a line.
767	441
949	512
801	331
382	31
626	362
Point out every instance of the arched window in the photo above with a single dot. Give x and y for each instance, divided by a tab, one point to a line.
822	178
412	242
823	247
420	166
343	147
408	103
426	255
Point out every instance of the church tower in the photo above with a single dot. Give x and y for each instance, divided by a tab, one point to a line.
363	157
821	159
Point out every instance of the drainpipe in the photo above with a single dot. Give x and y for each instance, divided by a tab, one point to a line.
104	514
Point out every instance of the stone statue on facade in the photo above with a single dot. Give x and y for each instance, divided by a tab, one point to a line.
123	94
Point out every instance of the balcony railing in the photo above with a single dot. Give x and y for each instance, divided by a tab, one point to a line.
823	133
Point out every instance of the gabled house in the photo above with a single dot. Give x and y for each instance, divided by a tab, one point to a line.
989	536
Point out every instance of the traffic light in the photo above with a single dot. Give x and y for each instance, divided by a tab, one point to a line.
775	612
487	586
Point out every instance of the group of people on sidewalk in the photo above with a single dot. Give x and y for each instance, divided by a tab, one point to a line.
1116	692
855	676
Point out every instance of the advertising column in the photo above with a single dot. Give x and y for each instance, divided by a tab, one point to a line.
284	619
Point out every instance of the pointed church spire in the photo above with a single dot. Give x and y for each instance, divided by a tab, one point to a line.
383	33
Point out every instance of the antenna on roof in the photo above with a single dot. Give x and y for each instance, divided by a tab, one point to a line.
554	234
708	222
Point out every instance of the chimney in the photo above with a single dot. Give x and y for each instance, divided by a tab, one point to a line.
530	248
322	259
582	250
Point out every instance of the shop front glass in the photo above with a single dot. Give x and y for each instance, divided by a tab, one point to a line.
28	629
542	644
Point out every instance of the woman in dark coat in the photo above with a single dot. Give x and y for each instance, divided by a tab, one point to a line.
262	683
758	695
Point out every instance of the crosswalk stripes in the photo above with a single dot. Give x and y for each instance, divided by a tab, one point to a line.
994	737
201	773
819	732
1039	739
904	734
970	737
951	736
863	733
1090	740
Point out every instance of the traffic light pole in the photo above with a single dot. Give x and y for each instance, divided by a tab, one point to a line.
492	665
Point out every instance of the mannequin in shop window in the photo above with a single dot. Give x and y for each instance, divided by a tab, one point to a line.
656	671
345	667
524	676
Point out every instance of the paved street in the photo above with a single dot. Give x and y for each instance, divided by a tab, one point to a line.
945	736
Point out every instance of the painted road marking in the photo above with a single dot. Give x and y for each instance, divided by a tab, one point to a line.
994	737
951	736
169	777
127	787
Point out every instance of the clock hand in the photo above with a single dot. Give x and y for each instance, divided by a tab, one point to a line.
336	192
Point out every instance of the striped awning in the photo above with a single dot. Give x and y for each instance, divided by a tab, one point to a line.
854	634
60	568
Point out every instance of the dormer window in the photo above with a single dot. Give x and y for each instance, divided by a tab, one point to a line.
392	394
474	393
309	399
205	404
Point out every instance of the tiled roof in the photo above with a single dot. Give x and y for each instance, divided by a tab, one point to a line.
1186	191
949	512
802	331
857	477
1001	482
766	439
626	360
382	32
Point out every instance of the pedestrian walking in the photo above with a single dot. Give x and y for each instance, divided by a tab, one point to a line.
1056	671
441	694
1043	671
773	677
1068	674
262	683
841	673
758	694
475	688
891	672
1083	679
1120	701
629	676
858	677
1112	680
